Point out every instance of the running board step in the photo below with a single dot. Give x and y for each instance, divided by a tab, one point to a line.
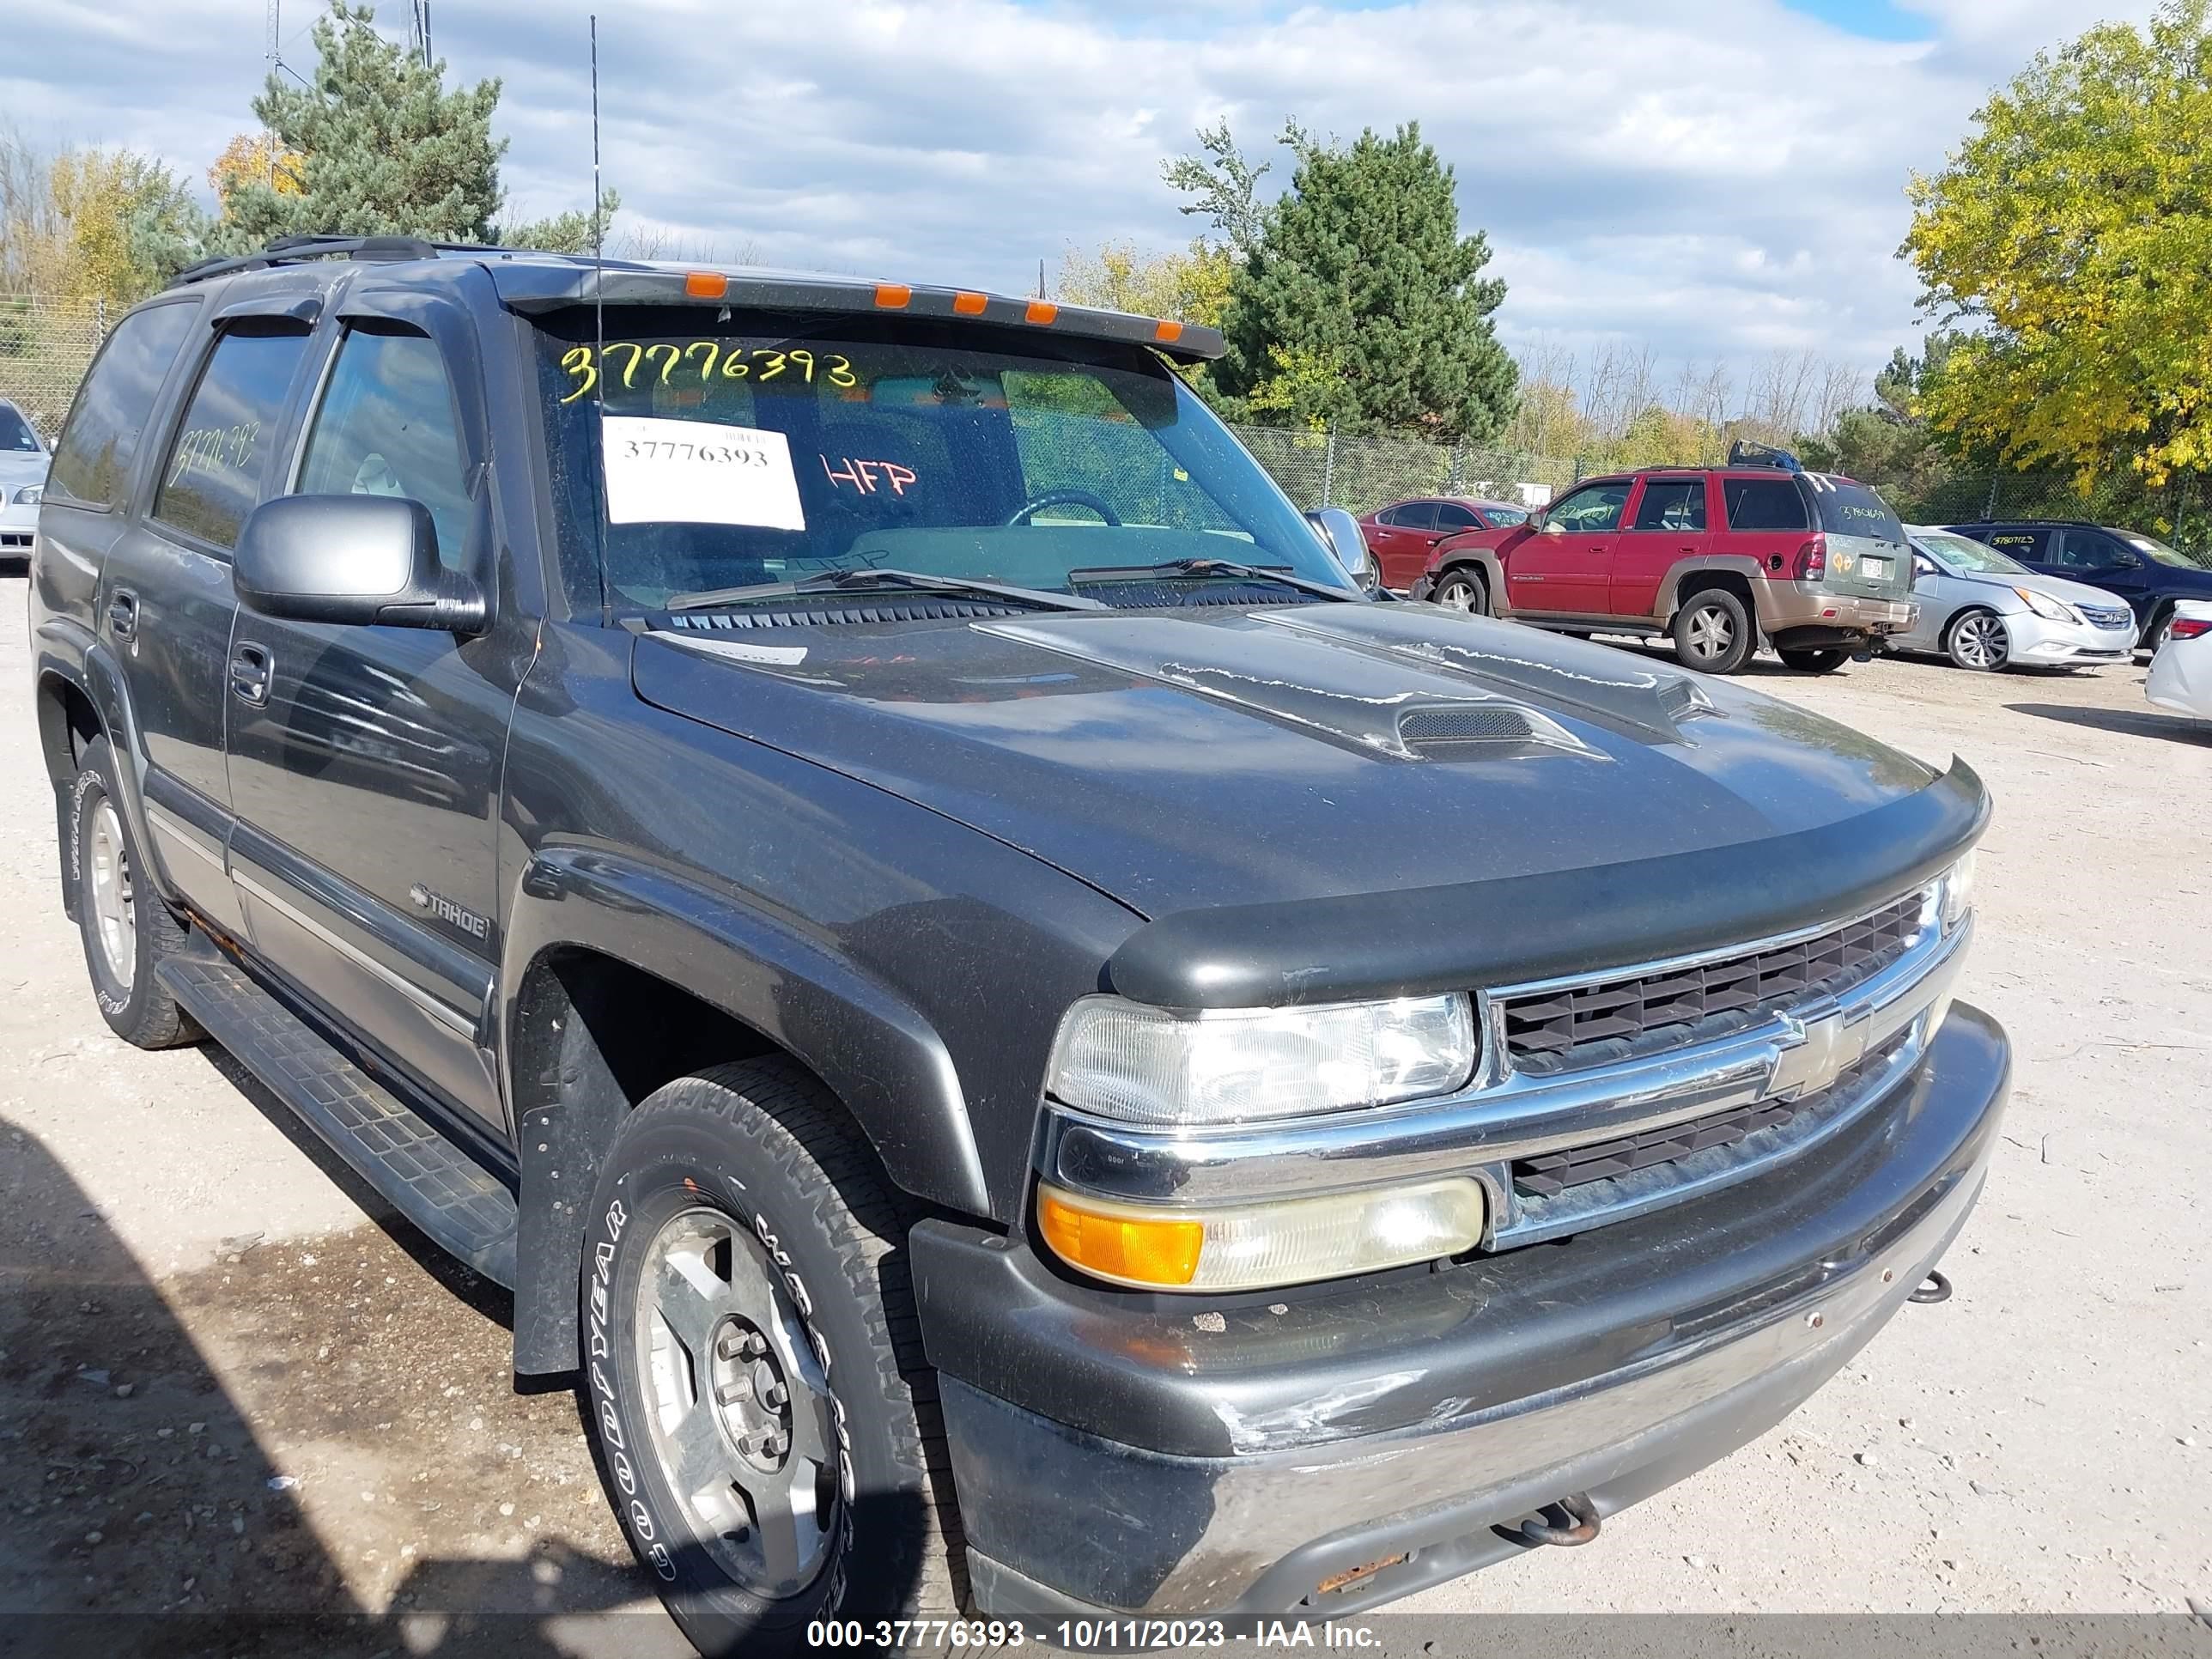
451	1197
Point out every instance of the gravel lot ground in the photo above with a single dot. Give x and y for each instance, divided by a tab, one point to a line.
227	1389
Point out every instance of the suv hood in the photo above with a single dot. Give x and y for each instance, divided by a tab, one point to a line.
1213	756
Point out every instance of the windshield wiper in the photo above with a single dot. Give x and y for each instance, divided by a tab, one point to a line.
866	576
1216	567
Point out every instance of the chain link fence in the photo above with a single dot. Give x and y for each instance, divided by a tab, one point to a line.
2179	510
1328	469
45	346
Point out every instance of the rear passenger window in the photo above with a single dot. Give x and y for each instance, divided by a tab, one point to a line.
1763	504
1674	504
1452	516
386	427
212	476
1416	515
101	438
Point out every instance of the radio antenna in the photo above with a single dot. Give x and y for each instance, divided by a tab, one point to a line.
598	236
598	313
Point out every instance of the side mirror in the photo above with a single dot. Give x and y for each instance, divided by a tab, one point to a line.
359	559
1339	533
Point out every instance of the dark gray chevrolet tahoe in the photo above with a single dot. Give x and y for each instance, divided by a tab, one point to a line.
1038	1054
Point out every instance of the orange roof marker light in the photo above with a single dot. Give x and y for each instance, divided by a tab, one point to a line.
1040	312
706	284
969	304
1167	333
893	296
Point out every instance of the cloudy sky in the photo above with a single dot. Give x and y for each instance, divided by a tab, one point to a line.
1715	178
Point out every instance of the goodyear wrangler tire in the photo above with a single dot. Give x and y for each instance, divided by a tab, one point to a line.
764	1422
127	929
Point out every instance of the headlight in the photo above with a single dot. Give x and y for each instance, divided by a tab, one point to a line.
1957	884
2044	605
1146	1065
1248	1246
29	495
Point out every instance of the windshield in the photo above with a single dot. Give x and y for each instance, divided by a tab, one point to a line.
15	434
1965	553
2151	548
738	455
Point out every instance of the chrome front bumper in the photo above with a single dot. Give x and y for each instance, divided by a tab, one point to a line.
1505	1115
1405	1425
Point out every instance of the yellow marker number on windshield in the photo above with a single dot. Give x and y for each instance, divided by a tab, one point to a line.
674	360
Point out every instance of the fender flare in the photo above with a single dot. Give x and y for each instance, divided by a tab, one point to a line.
873	1050
1741	564
69	652
1493	569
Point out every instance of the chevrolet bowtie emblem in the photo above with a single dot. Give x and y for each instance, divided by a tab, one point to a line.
1828	1048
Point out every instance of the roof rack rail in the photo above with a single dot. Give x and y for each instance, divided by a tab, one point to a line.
291	250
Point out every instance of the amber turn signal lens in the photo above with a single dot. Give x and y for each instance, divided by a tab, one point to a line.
706	284
1129	1250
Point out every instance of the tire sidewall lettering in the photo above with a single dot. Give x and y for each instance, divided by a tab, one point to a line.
637	1513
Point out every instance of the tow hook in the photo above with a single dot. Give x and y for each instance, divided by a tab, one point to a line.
1933	1288
1580	1512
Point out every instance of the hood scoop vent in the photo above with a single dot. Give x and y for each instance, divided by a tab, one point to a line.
1481	731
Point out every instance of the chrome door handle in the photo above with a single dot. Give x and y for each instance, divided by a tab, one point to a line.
249	674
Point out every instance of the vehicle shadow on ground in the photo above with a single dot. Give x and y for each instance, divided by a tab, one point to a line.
2173	728
140	1514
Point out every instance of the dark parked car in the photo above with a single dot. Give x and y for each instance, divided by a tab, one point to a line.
844	841
1402	535
2152	576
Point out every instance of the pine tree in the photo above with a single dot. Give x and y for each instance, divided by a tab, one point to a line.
1360	306
384	149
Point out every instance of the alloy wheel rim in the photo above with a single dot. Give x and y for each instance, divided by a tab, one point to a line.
1711	632
1457	596
114	916
736	1407
1981	641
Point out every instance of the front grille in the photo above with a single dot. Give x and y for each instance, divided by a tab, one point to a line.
1549	1174
1607	1021
2100	618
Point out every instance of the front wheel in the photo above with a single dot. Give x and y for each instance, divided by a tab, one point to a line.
1976	640
764	1419
1821	660
1713	632
1462	590
128	930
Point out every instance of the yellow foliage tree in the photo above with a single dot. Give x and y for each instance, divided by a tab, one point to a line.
1192	287
256	158
2072	231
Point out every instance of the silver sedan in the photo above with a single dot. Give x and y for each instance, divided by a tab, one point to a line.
1984	611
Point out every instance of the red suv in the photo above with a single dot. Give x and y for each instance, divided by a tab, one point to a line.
1716	558
1402	535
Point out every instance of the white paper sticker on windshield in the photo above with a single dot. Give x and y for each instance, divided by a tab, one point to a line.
698	472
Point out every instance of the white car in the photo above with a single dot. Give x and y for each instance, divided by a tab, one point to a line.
2181	673
22	476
